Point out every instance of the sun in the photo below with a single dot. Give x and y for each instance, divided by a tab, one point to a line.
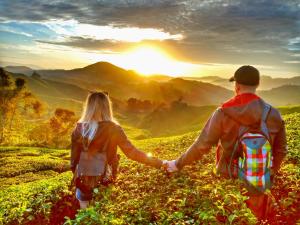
149	60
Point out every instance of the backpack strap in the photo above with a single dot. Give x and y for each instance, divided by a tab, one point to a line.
263	124
266	111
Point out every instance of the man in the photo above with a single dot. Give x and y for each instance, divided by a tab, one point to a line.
245	109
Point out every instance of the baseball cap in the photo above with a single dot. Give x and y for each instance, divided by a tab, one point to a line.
247	75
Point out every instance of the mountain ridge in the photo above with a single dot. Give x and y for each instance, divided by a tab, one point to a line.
125	84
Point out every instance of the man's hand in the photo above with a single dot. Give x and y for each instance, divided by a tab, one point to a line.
170	166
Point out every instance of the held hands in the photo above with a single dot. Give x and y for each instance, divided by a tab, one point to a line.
170	166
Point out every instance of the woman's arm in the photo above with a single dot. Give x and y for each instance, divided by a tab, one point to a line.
132	152
75	149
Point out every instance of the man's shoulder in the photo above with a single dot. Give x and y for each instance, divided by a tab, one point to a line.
274	113
218	114
240	100
274	119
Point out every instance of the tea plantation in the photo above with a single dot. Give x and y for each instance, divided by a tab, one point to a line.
35	188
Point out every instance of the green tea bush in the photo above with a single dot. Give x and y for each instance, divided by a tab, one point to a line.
21	203
293	136
143	195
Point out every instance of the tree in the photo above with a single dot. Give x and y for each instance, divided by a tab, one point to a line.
7	93
14	98
61	125
179	104
56	131
136	105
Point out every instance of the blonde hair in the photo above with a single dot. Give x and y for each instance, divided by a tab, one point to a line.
97	108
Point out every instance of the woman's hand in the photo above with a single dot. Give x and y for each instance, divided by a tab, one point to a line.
170	166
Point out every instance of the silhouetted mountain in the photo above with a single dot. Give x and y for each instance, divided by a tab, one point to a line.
266	82
198	93
93	76
59	86
19	69
284	95
158	77
124	84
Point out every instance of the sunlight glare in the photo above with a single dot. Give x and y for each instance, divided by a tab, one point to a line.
145	60
148	60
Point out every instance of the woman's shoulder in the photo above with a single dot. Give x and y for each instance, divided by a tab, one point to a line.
114	126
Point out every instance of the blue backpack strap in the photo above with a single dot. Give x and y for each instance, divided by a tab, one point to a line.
266	111
263	124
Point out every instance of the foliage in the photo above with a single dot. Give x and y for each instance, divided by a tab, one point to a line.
284	110
141	195
293	136
137	105
18	163
56	131
21	203
15	102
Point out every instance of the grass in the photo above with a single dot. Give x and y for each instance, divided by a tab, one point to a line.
18	161
35	188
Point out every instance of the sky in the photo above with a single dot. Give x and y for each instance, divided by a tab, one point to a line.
173	37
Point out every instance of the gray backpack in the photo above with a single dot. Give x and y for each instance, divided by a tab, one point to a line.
91	164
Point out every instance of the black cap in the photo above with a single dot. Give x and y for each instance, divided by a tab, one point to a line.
247	75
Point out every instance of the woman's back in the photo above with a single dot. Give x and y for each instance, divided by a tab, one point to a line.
108	137
105	140
96	132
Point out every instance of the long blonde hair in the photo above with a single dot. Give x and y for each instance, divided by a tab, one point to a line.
97	108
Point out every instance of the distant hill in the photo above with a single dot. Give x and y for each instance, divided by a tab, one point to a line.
70	87
266	82
178	118
123	84
55	94
284	95
19	69
93	76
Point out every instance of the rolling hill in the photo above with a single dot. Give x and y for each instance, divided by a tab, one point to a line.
73	85
19	69
123	84
266	82
283	95
55	94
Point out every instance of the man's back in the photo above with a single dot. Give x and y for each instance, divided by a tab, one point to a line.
246	109
223	128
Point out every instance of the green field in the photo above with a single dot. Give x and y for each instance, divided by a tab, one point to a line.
35	187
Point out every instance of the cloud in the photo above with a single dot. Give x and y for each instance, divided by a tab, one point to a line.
293	62
222	31
144	14
90	44
129	34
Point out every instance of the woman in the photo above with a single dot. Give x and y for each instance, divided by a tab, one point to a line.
94	142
